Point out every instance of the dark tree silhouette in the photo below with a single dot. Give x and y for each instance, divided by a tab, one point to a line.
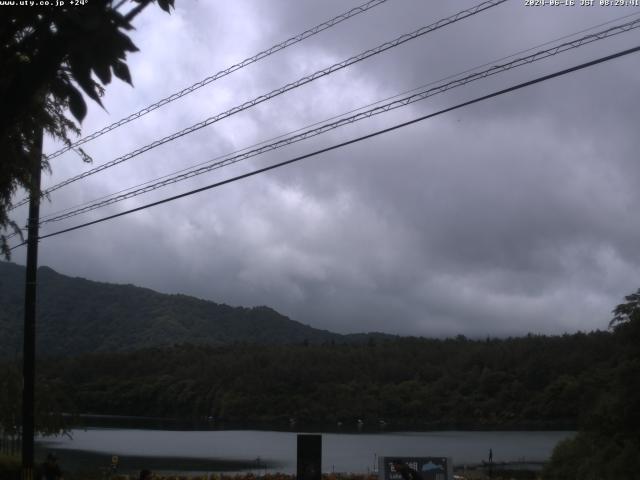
607	445
627	312
49	56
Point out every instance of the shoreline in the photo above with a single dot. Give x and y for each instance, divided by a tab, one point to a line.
90	420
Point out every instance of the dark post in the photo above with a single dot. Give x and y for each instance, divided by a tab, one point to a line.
309	457
29	348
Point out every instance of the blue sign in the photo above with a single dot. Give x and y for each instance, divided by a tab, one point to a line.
415	468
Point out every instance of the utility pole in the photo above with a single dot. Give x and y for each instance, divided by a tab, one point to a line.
29	346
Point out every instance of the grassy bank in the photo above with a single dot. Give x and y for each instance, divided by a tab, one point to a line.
9	467
10	470
476	474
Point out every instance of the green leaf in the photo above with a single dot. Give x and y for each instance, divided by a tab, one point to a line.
82	75
121	71
123	42
103	72
165	5
77	104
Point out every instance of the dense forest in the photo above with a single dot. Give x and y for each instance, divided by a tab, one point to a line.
180	357
78	316
534	381
607	446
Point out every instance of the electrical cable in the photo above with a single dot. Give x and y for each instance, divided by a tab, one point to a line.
422	95
279	91
223	73
50	216
272	139
349	142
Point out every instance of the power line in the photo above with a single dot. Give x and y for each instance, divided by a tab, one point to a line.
274	93
111	198
223	73
263	142
349	142
415	97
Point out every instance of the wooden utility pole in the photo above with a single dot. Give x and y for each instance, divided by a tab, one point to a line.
29	346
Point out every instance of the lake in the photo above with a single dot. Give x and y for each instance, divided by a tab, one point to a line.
271	451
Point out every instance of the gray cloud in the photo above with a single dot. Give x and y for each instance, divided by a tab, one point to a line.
511	216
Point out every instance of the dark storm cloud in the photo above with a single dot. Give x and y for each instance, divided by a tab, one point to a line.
511	216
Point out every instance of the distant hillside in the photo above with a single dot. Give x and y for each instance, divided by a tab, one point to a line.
526	382
77	316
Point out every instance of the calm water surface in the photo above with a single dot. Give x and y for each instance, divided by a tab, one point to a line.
259	451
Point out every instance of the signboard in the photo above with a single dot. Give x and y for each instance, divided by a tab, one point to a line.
309	457
418	468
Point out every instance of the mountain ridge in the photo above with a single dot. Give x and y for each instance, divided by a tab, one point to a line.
77	315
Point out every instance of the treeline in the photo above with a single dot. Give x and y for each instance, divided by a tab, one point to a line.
78	316
533	381
607	446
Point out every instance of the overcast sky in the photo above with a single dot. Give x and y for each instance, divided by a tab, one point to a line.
511	216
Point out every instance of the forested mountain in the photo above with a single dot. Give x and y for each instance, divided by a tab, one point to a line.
77	316
534	381
607	446
124	350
